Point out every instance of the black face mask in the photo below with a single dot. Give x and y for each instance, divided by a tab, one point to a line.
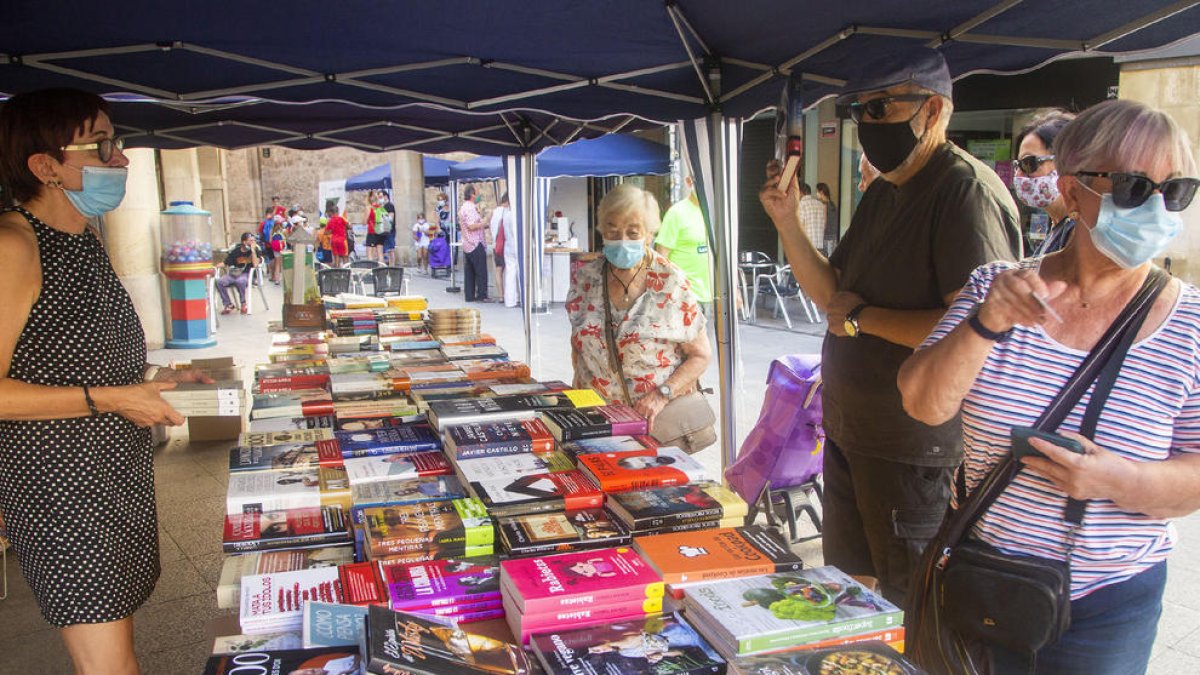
888	144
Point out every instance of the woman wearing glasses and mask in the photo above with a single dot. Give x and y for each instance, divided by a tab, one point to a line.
1011	341
1035	177
77	397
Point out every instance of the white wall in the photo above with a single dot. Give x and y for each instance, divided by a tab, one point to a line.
569	195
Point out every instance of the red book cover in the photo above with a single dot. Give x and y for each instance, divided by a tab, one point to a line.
362	584
636	469
329	453
292	382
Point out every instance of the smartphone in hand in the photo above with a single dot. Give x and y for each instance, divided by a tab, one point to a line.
1021	447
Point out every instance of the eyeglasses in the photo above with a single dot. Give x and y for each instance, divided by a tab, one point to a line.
1130	190
877	108
104	147
1029	163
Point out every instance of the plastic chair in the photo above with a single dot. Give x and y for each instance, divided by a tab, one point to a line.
787	288
385	280
334	281
361	269
764	271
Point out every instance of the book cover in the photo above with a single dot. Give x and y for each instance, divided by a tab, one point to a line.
382	468
658	645
536	492
275	602
440	583
615	419
266	384
690	526
367	423
494	409
286	489
707	555
273	457
287	424
560	532
395	406
425	645
859	657
524	624
229	586
362	583
284	437
322	660
570	580
638	469
479	351
404	438
400	529
507	467
508	437
591	446
287	528
302	402
401	491
776	611
329	624
643	509
237	644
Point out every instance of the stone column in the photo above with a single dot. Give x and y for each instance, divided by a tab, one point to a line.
408	196
131	234
1174	87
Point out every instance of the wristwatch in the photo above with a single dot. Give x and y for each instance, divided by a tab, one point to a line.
982	330
665	390
850	323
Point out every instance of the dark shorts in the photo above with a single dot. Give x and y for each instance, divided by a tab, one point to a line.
389	240
499	259
376	239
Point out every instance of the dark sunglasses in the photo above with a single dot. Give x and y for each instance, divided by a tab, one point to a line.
877	108
1029	163
105	147
1130	190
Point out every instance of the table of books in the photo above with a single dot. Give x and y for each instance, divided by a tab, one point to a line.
407	499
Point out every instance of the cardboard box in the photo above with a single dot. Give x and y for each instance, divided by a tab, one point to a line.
213	428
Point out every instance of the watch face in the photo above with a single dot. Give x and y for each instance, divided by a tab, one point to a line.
851	327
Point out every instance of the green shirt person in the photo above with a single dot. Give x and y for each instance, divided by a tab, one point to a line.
683	239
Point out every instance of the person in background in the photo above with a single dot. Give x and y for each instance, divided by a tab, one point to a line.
421	238
375	239
832	222
1127	171
278	243
277	208
1035	178
474	234
504	230
812	216
659	328
264	236
443	211
683	239
389	216
934	215
77	397
339	241
324	249
238	263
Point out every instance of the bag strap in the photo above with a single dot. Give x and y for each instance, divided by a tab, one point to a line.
613	361
1105	361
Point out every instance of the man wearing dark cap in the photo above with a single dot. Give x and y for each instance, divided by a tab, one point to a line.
934	216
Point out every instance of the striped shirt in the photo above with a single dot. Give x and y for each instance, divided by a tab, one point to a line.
1152	414
812	219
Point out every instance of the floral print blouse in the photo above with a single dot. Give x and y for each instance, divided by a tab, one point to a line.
649	335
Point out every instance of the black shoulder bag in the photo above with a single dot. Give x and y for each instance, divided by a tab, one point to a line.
966	594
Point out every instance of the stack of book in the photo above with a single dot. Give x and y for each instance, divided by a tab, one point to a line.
463	591
642	469
559	532
194	399
814	608
456	321
685	559
678	508
860	657
576	590
459	528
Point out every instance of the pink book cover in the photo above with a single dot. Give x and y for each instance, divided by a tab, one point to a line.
440	584
546	584
524	625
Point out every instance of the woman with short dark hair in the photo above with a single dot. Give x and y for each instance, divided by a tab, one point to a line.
77	397
1035	177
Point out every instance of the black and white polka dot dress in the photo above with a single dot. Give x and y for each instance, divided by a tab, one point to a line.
78	494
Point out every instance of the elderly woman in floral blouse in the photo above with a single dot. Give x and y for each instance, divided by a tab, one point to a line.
657	326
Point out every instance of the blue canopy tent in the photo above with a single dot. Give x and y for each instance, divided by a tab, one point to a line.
613	155
480	168
544	73
379	178
436	170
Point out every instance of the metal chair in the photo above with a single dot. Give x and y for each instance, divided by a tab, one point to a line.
334	281
361	269
763	271
385	280
787	288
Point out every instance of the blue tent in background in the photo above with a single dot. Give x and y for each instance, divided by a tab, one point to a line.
612	155
379	178
480	168
437	171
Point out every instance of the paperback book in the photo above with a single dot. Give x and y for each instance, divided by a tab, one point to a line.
229	587
508	467
282	529
778	611
275	602
615	419
238	644
570	580
299	403
559	532
383	468
258	491
284	437
647	509
401	491
603	444
509	437
525	624
538	492
404	438
875	656
323	660
411	643
639	469
690	526
707	555
659	645
441	583
273	457
330	624
498	408
399	529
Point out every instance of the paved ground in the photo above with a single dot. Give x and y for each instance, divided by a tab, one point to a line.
191	479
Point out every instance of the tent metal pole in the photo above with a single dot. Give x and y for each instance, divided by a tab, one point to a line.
131	86
420	96
554	89
1134	26
453	234
974	21
249	88
726	328
527	179
1012	41
708	94
650	92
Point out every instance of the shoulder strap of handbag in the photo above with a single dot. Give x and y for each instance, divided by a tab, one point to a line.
1101	365
614	359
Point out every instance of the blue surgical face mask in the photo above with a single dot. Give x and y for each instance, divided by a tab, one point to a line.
103	190
624	253
1132	237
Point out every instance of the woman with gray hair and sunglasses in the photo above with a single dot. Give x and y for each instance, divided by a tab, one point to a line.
1011	341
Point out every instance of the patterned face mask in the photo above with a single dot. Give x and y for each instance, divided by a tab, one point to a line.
1038	192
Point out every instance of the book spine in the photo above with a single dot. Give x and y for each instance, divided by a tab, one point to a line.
809	634
565	547
493	449
650	522
352	453
306	541
581	433
689	527
628	595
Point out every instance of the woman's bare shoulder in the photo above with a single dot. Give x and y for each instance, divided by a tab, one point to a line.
17	240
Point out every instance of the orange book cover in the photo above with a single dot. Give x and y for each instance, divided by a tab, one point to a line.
707	555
